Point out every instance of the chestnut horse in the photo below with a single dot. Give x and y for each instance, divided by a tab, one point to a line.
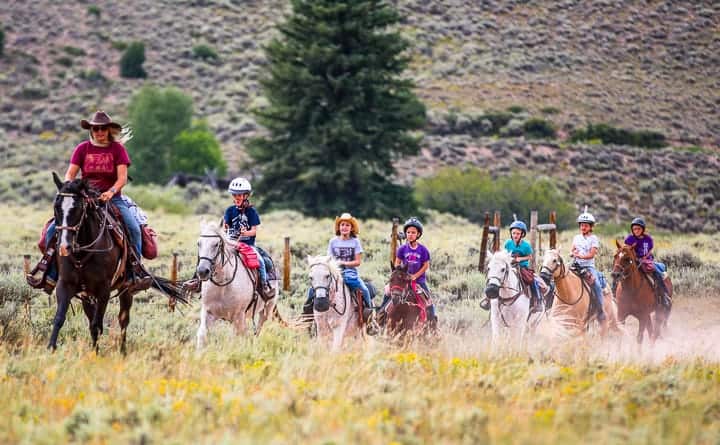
635	294
406	312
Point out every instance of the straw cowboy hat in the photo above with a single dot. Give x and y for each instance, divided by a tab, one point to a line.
100	118
347	218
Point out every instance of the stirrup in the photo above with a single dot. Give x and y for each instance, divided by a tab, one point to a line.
485	304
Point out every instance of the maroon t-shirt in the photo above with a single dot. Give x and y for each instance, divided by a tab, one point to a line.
99	164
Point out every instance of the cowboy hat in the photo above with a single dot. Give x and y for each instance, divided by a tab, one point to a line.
100	118
347	218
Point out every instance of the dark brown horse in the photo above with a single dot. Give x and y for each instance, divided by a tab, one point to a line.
91	260
635	294
404	313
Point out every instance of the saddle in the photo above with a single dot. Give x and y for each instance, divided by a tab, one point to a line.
248	256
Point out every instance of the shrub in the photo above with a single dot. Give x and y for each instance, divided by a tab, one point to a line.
516	109
472	192
94	10
205	52
539	128
119	45
620	136
549	110
74	51
132	61
64	61
2	41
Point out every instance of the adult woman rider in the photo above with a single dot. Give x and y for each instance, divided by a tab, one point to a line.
104	162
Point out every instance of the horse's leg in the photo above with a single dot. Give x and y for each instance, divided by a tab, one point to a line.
239	322
64	293
98	318
202	330
338	333
494	324
126	301
265	313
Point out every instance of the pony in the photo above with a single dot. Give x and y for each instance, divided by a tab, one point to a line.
636	295
91	260
406	311
228	290
509	304
572	297
336	309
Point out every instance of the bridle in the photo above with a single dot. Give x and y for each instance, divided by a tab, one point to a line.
223	261
563	273
623	270
403	292
507	301
330	289
85	201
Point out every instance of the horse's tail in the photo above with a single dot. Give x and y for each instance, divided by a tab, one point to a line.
277	317
169	288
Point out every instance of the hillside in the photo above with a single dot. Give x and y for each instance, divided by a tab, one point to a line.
634	64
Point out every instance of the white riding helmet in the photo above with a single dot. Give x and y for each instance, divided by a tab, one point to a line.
586	217
239	185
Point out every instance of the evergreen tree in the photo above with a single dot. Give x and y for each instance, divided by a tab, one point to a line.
339	111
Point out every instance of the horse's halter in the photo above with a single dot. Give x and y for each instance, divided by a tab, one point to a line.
223	261
85	201
558	263
402	293
332	282
623	270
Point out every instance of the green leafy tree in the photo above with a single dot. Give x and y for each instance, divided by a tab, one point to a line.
131	63
340	112
196	150
165	141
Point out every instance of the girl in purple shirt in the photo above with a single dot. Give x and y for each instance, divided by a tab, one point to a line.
643	244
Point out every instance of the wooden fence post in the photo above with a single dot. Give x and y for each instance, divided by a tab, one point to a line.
393	241
553	232
173	277
286	265
496	234
533	236
483	242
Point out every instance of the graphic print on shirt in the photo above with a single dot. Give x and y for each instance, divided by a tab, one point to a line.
345	253
98	163
239	224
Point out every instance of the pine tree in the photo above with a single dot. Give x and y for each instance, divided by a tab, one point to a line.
339	111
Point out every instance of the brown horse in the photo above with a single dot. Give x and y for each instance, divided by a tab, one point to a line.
91	261
635	294
404	313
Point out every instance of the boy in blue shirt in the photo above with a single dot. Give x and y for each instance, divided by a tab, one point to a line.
522	251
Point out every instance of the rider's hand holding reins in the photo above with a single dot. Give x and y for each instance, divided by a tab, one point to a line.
107	195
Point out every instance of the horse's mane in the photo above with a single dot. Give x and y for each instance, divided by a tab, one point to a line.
328	261
211	228
501	255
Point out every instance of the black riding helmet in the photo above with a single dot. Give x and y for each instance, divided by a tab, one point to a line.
638	222
413	222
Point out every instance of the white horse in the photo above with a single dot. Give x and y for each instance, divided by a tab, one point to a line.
509	305
228	287
334	309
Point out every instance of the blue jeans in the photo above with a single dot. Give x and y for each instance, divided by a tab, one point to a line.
353	281
597	286
129	219
262	269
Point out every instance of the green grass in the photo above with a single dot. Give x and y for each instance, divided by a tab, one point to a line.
285	388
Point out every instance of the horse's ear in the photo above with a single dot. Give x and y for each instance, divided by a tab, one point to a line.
617	243
58	182
221	223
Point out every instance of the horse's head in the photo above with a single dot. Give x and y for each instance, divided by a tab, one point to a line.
498	272
211	246
624	261
400	281
553	265
71	208
324	277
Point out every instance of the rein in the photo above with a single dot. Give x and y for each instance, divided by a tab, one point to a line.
87	248
223	261
330	289
507	301
563	275
405	292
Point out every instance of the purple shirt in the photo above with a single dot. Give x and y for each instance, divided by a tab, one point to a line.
643	245
99	164
414	258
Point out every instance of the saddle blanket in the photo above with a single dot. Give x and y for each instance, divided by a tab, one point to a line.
248	255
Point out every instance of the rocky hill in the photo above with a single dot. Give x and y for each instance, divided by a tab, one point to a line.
633	64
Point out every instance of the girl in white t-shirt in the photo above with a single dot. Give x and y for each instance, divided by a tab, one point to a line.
584	248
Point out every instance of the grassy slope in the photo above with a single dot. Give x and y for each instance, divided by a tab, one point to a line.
283	388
